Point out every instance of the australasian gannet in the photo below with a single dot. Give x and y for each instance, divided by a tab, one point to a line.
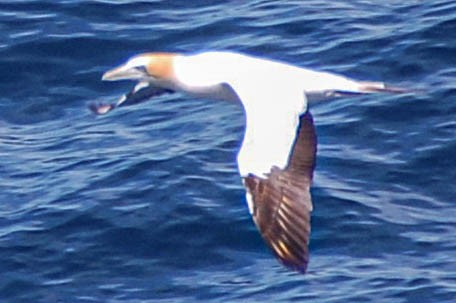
277	156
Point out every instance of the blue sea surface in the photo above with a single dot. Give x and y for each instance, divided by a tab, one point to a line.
145	204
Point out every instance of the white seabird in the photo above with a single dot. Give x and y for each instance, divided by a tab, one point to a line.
277	156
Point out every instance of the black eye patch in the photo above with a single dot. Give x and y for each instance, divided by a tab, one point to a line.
142	69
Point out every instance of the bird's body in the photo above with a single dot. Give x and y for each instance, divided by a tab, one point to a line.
277	156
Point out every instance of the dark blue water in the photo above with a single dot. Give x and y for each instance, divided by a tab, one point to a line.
145	204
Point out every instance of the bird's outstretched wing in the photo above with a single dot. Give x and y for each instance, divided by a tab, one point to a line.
140	93
281	202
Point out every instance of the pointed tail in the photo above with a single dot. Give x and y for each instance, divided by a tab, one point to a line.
379	87
363	87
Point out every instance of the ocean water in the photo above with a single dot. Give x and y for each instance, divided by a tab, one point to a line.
145	204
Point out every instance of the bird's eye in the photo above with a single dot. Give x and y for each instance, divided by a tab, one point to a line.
142	69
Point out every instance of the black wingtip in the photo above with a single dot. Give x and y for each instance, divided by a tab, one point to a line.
294	262
100	108
289	252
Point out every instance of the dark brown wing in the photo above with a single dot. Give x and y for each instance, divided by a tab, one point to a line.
282	202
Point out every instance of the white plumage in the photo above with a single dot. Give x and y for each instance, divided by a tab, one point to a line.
273	95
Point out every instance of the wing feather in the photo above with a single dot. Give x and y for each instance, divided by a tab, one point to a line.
282	201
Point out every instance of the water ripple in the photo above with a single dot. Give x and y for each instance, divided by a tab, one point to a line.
146	205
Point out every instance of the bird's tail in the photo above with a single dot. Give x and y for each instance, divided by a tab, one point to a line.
363	87
379	87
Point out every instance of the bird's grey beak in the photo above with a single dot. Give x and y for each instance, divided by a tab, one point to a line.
124	72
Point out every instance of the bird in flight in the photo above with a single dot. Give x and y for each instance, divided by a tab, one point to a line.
277	157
